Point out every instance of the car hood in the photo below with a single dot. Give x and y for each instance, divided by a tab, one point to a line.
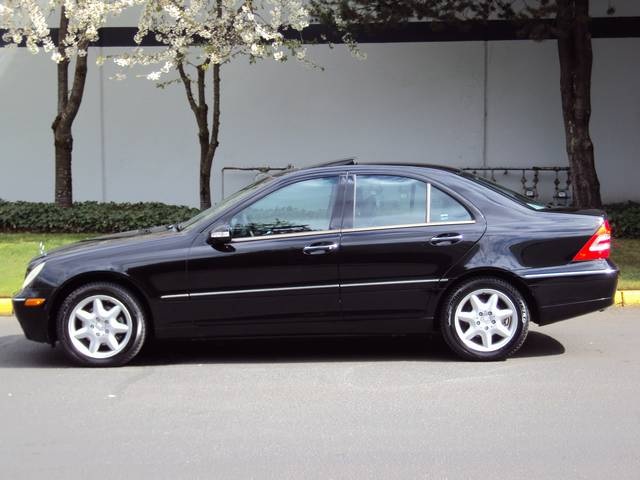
107	242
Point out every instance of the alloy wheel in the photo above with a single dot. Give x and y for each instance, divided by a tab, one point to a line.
100	326
486	320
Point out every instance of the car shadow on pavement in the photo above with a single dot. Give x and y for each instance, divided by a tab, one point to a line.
17	352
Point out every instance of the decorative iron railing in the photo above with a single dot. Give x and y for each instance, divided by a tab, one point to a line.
534	181
546	184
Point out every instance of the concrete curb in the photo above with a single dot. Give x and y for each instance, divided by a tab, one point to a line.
5	307
624	298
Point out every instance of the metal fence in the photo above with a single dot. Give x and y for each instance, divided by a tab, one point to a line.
545	184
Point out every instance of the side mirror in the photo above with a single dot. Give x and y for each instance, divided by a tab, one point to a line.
220	235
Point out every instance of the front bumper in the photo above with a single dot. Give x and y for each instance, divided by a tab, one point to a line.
33	320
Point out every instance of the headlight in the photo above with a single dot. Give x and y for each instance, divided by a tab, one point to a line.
32	275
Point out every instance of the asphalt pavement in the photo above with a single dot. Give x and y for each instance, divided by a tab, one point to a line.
566	406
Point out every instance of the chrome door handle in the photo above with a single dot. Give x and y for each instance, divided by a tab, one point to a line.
446	238
319	248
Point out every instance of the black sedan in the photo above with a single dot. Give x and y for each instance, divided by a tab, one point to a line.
334	250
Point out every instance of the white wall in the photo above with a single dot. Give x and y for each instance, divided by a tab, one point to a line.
407	102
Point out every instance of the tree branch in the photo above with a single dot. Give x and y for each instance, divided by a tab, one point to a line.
62	67
215	126
202	99
187	87
77	90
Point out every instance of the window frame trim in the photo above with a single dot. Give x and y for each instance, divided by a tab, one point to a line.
350	198
345	202
350	230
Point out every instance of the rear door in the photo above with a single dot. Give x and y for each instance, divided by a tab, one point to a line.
400	235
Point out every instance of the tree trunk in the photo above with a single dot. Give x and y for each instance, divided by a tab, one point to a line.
62	138
576	59
206	160
208	140
63	142
68	106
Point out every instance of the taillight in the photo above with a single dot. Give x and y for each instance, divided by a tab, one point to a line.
598	246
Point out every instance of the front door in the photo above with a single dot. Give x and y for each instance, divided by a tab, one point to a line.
279	274
400	236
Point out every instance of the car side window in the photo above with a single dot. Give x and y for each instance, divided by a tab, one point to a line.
388	200
445	208
305	206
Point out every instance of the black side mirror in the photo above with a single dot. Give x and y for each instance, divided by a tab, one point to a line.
220	235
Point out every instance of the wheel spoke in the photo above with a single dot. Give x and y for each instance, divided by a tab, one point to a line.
94	346
470	333
81	333
118	327
85	316
114	312
99	310
487	341
503	314
468	317
492	304
502	330
112	342
476	303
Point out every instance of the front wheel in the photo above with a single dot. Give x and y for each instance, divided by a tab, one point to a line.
101	325
485	319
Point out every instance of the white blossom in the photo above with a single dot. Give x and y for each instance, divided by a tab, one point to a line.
26	20
205	32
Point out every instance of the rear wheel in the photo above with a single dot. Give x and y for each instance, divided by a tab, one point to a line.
485	319
101	325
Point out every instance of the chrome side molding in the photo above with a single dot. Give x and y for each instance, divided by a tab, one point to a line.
303	287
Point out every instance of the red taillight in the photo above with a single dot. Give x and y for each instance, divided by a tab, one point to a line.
598	246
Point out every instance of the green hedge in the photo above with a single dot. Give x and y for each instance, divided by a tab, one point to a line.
88	217
94	217
624	219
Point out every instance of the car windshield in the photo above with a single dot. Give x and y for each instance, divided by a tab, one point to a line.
206	215
518	197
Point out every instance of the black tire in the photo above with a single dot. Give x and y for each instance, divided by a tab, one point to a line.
132	315
472	347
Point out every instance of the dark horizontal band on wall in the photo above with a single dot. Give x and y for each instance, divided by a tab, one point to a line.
493	30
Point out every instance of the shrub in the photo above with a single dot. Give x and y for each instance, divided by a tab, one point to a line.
88	217
624	219
94	217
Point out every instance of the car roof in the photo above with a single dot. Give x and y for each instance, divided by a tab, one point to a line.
354	163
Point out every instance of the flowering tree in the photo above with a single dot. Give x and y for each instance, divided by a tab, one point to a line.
25	22
198	36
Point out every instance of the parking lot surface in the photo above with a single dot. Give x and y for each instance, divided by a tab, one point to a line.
566	406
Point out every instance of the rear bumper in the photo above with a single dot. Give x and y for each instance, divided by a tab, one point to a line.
569	294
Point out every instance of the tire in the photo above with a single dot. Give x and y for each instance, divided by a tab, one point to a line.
101	324
484	319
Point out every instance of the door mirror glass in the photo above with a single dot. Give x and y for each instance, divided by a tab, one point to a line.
220	235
